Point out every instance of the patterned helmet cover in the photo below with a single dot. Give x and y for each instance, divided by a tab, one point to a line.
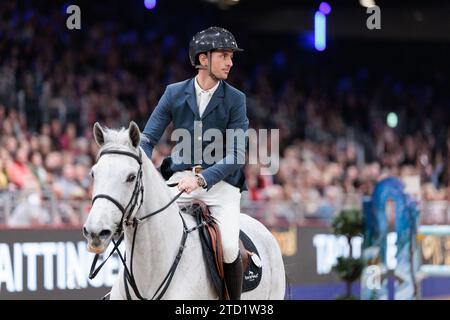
211	39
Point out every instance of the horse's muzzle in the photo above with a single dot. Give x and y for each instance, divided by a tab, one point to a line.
97	242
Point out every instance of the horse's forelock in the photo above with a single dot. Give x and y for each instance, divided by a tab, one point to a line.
116	138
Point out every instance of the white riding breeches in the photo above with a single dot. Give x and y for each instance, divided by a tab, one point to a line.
224	203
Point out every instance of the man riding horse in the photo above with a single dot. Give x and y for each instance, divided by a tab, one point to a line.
209	101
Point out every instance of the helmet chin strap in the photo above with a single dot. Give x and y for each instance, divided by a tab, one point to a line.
210	73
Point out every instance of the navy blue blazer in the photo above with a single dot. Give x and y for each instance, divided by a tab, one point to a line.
226	110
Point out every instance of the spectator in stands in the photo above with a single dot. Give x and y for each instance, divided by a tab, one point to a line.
256	183
82	176
19	172
38	169
67	140
3	176
66	186
29	211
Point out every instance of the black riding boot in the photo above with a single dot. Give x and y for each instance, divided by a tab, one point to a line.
233	277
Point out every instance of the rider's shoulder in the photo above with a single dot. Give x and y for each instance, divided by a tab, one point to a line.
177	86
230	90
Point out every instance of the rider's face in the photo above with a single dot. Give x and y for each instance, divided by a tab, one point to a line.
221	63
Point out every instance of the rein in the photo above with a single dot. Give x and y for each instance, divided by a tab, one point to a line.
125	220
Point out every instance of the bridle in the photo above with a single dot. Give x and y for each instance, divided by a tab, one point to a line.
138	189
127	212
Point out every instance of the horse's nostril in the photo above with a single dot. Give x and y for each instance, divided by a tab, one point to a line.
85	232
105	233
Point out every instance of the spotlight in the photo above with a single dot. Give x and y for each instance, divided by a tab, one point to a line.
392	120
150	4
325	8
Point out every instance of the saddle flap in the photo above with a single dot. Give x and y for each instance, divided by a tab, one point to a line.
212	251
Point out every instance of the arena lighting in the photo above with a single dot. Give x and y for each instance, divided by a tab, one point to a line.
320	26
150	4
392	120
367	3
320	29
325	8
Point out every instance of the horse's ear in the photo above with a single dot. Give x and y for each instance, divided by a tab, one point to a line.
99	134
135	134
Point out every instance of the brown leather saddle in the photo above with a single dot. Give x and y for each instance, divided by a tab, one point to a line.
212	249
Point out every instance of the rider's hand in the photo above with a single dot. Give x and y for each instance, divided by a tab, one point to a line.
188	184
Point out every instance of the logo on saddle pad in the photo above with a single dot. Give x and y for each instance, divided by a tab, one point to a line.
251	276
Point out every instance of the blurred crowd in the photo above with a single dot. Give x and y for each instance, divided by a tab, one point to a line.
334	141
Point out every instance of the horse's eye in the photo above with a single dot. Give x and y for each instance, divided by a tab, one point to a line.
131	177
91	174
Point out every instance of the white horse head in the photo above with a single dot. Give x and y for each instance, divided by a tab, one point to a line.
113	175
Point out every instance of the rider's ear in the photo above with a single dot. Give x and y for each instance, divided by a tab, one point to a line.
135	134
202	57
99	134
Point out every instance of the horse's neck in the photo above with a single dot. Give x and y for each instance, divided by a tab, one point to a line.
158	237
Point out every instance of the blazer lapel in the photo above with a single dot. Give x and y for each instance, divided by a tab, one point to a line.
216	99
191	98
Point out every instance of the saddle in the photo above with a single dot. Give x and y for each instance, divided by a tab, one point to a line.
212	251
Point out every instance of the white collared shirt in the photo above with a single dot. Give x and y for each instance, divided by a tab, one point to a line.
203	96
